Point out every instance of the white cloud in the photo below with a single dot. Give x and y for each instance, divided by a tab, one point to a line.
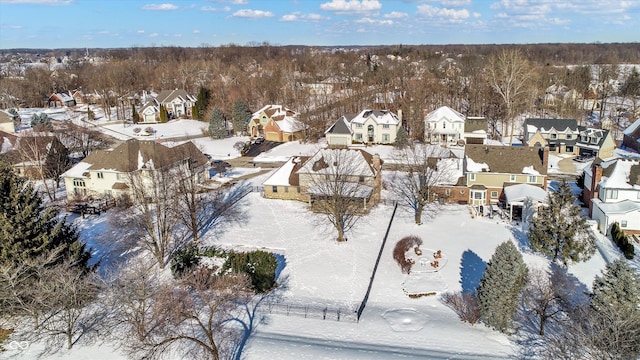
252	14
396	15
160	7
300	17
233	2
12	27
215	9
451	15
196	31
153	35
351	6
374	21
39	2
455	3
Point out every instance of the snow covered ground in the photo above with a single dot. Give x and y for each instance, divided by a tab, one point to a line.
318	272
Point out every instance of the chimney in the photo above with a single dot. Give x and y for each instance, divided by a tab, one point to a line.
400	115
596	176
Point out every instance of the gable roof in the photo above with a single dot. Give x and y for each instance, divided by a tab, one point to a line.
446	113
632	130
341	126
136	154
166	96
5	117
360	162
381	117
62	96
287	174
532	125
275	112
289	124
508	159
620	173
591	133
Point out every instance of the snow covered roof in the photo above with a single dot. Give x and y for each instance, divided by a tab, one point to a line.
505	159
546	125
518	193
622	174
381	117
632	128
276	112
332	161
620	207
282	176
444	113
290	124
347	189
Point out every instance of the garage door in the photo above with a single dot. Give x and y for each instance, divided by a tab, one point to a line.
272	136
337	140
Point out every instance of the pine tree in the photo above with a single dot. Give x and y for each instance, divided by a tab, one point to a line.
28	229
559	230
402	138
202	103
500	287
617	288
135	117
240	116
217	124
164	116
41	121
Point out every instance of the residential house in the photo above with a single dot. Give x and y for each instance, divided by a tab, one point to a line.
301	178
29	153
475	130
149	113
276	123
178	103
106	173
443	126
631	136
369	126
489	169
6	122
60	99
564	136
612	192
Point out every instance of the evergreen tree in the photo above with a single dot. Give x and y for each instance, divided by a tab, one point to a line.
402	138
500	287
618	288
57	161
559	230
240	116
217	124
41	121
28	229
202	103
164	116
135	117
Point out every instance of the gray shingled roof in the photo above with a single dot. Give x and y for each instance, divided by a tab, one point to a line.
547	124
341	126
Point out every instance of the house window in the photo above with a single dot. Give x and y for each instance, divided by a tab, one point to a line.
358	126
385	126
583	138
358	136
494	194
444	125
472	177
119	176
78	183
447	192
594	140
623	223
274	189
478	195
568	149
462	192
611	194
569	136
532	179
286	189
385	138
100	175
554	136
361	179
512	178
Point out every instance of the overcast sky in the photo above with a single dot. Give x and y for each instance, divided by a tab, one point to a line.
127	23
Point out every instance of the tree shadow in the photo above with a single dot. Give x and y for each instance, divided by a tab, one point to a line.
522	239
471	270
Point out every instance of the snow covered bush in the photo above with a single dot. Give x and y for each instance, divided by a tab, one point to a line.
399	252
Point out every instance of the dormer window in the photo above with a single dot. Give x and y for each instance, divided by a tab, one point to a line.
569	136
594	140
554	136
444	125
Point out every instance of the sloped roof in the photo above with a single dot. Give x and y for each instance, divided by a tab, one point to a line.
275	112
631	130
508	159
444	112
62	96
136	154
620	174
166	96
290	124
381	117
519	192
328	161
341	126
5	117
287	174
600	134
619	207
545	125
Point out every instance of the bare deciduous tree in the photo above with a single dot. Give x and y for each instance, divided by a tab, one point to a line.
545	296
424	167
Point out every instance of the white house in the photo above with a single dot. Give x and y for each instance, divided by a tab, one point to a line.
106	173
369	126
178	102
612	190
444	126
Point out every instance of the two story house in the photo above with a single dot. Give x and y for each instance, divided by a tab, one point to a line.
631	136
276	123
489	169
612	192
178	102
302	177
564	136
106	173
61	99
443	126
369	126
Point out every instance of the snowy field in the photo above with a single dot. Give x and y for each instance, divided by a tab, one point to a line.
318	272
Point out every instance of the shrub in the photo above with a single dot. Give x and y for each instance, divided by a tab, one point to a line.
149	130
136	130
405	244
259	265
184	260
464	304
622	240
